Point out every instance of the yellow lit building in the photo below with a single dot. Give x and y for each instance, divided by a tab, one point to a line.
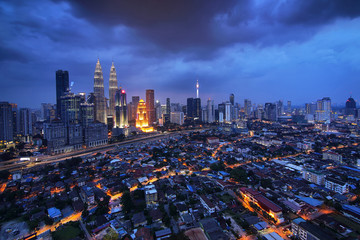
142	118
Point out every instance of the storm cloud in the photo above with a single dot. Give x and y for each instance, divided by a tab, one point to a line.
263	50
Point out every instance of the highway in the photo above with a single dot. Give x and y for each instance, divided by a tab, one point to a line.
15	164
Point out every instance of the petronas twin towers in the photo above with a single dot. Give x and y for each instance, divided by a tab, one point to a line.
101	109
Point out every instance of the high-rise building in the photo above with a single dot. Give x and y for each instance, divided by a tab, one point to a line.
100	101
15	118
280	108
150	106
158	112
46	111
232	99
113	86
70	107
87	113
168	107
221	110
288	107
132	110
271	111
227	116
177	117
141	116
26	122
247	107
323	110
190	108
197	109
350	107
6	122
62	85
210	111
121	113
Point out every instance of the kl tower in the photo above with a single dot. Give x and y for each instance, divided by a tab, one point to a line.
197	88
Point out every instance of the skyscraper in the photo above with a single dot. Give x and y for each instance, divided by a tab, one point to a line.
210	111
288	106
100	103
271	112
247	107
121	113
26	123
141	116
113	86
87	114
227	116
6	122
62	85
197	108
70	107
190	108
150	106
232	99
350	107
15	118
168	107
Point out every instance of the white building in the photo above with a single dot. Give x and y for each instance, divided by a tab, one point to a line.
314	176
336	185
332	156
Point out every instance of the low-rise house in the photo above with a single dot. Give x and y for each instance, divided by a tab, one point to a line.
208	205
139	219
305	230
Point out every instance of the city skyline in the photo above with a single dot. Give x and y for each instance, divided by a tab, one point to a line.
254	49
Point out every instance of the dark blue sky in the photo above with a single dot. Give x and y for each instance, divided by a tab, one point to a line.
264	50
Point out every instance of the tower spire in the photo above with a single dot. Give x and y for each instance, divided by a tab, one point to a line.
197	88
113	86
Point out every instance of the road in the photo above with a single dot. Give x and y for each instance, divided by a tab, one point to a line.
14	165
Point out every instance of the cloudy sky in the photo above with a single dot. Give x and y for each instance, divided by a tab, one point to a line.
264	50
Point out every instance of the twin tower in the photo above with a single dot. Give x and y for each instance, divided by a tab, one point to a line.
117	109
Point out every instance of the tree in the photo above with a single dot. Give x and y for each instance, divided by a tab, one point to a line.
4	175
266	183
126	202
111	235
239	175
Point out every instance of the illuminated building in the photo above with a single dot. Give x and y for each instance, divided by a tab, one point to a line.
113	86
150	106
314	176
336	185
197	88
62	85
100	103
323	109
142	121
253	197
151	196
121	113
